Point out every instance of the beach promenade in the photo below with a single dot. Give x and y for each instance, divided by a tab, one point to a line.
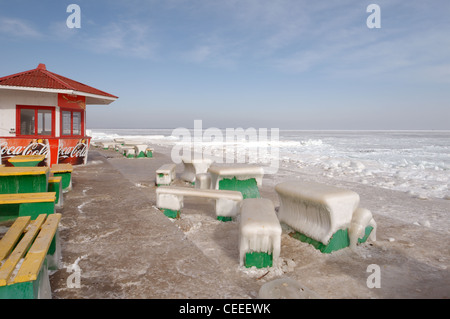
123	247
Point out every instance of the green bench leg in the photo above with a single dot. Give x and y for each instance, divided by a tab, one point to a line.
338	241
66	181
248	187
258	260
23	184
171	213
37	289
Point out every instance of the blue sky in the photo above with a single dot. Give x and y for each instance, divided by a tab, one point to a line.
292	64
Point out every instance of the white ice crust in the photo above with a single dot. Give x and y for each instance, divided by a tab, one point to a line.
227	202
316	210
240	172
260	230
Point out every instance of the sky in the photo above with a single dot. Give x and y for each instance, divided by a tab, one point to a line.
287	64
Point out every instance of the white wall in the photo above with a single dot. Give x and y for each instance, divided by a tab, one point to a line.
10	98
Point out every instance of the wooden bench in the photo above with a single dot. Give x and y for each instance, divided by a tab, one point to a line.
26	204
320	214
55	185
23	179
165	175
26	160
260	233
65	171
244	178
170	200
26	252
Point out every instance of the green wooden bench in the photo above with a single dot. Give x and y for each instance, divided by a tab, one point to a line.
28	204
25	251
26	160
23	179
65	171
55	185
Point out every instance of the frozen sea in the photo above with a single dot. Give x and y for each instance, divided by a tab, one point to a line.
414	162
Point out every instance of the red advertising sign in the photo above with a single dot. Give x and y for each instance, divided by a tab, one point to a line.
10	147
71	101
73	151
64	150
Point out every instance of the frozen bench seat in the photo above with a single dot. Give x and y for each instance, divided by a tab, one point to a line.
170	200
260	233
321	214
26	204
244	178
165	175
26	252
65	171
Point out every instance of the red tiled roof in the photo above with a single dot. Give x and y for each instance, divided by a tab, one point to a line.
41	78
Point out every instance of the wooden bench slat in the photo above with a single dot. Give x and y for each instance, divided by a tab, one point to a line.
36	255
14	171
61	168
27	198
12	236
20	250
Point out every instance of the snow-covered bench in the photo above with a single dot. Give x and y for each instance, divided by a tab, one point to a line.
166	174
260	233
170	200
32	247
322	214
108	145
244	178
141	150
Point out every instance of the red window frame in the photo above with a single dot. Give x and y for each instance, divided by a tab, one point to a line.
36	108
61	110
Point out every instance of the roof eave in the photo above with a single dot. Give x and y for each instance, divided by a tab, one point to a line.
91	99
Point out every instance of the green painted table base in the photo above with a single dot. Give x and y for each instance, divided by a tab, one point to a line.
171	213
225	218
30	289
23	184
258	260
26	164
338	241
66	180
248	187
149	154
12	211
57	188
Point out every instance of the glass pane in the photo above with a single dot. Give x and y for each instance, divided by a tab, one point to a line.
26	122
76	123
66	123
44	122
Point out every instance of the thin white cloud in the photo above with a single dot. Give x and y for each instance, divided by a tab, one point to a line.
123	38
18	28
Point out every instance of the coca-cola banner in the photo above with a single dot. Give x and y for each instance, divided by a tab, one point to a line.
56	150
73	151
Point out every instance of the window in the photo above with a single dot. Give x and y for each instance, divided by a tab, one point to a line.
35	120
71	123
